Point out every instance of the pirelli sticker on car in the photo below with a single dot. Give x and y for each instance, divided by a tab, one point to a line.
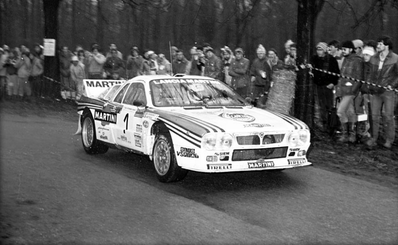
219	166
105	116
297	161
261	164
187	152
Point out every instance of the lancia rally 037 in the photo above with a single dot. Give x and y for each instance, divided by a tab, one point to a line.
189	123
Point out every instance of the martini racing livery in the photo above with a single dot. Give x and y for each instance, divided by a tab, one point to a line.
189	123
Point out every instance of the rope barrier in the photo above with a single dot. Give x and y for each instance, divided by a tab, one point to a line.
353	79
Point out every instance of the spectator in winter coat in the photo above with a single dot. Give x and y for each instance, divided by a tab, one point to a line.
95	63
384	73
113	47
3	73
164	65
260	73
181	65
12	77
24	66
324	83
273	60
134	63
347	90
64	60
226	58
198	61
114	66
77	75
213	64
239	71
37	71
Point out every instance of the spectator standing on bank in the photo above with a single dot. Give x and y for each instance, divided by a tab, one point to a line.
12	77
164	65
324	83
239	72
181	65
260	73
134	63
197	62
64	60
153	63
3	73
77	75
24	66
383	72
114	66
226	58
113	47
95	63
213	64
347	90
37	71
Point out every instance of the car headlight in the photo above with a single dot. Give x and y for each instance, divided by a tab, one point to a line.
217	141
299	138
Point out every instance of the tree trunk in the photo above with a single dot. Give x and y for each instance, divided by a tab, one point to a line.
51	63
100	25
306	21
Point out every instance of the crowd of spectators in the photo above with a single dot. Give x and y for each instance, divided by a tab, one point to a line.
372	61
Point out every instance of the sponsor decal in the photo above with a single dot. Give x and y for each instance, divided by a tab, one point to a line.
105	116
223	156
187	152
123	138
261	164
151	116
104	129
240	117
101	83
163	81
257	125
294	149
219	166
145	124
138	128
297	161
138	140
103	137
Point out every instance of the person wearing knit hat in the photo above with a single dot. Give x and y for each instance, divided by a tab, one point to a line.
324	83
347	90
322	45
261	75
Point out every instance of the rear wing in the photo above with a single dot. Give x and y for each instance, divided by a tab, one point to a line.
94	87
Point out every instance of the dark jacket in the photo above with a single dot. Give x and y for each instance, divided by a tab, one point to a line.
239	71
328	63
255	70
352	67
366	74
388	75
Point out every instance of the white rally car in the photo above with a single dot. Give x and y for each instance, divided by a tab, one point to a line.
189	123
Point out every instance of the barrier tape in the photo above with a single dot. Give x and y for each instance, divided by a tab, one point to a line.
62	85
353	79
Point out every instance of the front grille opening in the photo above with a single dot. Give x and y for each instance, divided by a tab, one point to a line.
255	154
248	140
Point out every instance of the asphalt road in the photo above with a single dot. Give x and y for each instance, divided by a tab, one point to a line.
54	193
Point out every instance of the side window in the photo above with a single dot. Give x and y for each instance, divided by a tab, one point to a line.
135	95
121	93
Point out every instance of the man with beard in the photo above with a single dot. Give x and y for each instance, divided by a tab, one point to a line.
347	90
384	73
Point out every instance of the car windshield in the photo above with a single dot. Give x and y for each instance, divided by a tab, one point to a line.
193	92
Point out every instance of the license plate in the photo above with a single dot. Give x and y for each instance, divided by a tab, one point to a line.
297	161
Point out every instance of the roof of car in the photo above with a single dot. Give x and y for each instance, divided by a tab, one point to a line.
152	77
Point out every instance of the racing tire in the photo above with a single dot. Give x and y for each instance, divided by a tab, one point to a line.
89	138
164	160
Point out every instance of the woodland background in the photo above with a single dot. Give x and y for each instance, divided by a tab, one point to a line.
153	24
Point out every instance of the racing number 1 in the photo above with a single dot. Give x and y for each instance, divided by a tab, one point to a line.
126	120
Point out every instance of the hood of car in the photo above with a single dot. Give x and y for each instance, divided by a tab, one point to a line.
201	121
